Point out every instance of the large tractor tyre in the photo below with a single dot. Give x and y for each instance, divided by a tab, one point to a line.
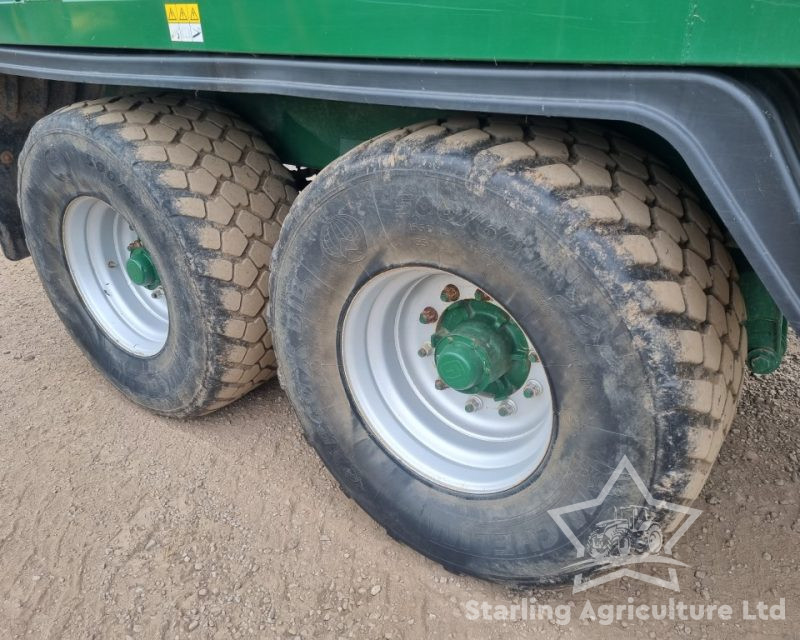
23	101
151	221
477	321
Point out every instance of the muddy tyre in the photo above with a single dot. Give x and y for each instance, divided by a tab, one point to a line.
151	221
619	282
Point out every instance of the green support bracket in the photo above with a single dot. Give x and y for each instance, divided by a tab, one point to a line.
767	328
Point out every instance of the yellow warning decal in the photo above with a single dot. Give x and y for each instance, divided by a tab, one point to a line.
183	21
182	13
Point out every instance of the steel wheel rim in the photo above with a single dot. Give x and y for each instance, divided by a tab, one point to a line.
426	429
96	239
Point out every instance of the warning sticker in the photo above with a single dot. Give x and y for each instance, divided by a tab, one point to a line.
184	22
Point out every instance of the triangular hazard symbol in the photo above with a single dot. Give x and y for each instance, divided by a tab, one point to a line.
184	16
194	14
172	15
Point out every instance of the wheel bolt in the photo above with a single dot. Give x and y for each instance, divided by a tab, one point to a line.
506	408
473	404
440	384
428	315
481	295
450	293
112	264
532	389
425	350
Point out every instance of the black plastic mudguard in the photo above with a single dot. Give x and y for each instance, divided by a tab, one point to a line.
738	131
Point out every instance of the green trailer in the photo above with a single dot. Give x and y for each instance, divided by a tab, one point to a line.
492	250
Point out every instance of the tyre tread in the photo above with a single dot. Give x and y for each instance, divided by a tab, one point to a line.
234	194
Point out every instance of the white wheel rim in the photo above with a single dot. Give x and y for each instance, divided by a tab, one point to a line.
96	240
426	429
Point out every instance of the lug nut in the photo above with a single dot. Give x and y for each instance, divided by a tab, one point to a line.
6	157
440	384
506	408
473	404
481	295
112	264
533	357
428	315
425	350
532	389
450	293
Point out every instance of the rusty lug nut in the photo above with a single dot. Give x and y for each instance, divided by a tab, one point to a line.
428	315
6	157
450	293
481	295
425	350
440	384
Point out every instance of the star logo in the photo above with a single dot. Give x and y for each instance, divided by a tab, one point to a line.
632	537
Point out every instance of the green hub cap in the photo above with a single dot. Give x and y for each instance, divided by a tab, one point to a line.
479	349
141	270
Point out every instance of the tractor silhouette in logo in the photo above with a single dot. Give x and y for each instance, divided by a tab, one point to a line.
632	530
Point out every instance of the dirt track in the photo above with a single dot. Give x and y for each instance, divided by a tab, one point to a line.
117	523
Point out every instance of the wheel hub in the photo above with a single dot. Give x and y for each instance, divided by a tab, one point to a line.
140	268
472	358
479	349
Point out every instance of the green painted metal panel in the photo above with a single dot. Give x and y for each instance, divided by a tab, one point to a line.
312	133
718	32
767	328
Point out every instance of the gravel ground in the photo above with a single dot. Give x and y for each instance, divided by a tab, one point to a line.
115	523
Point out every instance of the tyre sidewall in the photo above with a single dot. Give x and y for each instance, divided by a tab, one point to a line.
65	161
